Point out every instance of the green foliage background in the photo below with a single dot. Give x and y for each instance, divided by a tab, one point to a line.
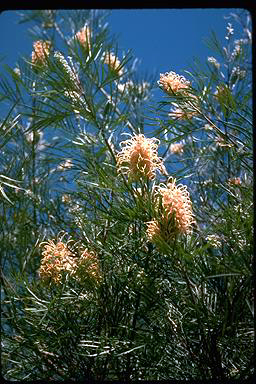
183	311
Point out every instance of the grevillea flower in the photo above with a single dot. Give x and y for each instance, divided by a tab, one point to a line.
171	82
88	265
41	51
174	212
139	158
57	258
60	257
176	148
112	61
84	36
234	181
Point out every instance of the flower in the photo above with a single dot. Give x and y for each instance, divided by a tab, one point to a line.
112	61
17	71
230	31
176	148
70	71
179	113
88	265
65	165
84	36
214	240
171	82
214	62
73	259
220	142
139	158
234	181
57	258
41	51
174	212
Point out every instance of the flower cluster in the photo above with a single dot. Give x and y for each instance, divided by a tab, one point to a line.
65	165
112	61
171	82
41	51
59	257
84	37
176	148
69	71
234	181
185	113
88	266
173	210
214	62
139	158
214	241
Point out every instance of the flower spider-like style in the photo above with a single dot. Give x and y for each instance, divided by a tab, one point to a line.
88	266
174	212
57	258
66	257
84	37
113	62
171	82
41	51
177	148
138	157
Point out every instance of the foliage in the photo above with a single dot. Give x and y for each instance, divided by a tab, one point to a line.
181	309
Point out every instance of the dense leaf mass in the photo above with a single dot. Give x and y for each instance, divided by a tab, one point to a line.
125	259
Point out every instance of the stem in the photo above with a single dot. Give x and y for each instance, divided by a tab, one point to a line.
34	157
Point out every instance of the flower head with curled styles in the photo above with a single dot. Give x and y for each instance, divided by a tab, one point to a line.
41	51
177	148
68	257
84	37
57	258
174	212
171	82
88	266
113	62
138	158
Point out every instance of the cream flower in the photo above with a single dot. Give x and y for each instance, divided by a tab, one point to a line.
60	257
112	61
174	212
139	158
88	265
57	258
84	36
171	82
176	148
41	51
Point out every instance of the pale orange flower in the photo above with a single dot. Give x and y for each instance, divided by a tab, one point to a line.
112	61
235	181
139	158
181	114
174	212
41	51
171	82
84	36
88	265
176	148
73	259
57	258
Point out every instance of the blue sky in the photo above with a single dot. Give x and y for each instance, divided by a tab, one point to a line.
162	39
